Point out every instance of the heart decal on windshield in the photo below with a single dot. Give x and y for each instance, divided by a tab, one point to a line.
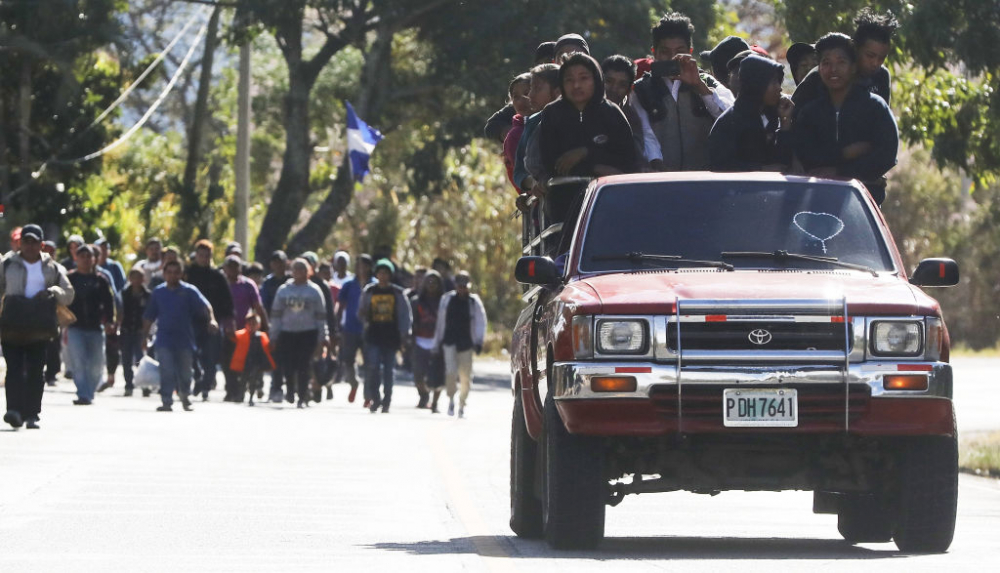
819	226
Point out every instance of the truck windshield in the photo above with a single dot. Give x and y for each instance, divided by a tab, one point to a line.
751	225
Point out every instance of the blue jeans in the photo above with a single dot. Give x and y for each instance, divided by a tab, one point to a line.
86	350
376	358
175	372
130	344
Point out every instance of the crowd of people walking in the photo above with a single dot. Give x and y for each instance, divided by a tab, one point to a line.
301	326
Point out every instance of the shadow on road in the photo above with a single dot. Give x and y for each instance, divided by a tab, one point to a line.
613	548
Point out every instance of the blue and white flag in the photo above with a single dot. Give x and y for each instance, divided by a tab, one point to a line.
361	141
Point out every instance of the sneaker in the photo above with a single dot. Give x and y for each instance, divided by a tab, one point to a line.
128	393
186	403
32	424
329	393
385	409
374	407
50	381
434	409
82	402
146	392
13	417
422	403
260	394
461	412
367	404
204	397
290	397
106	385
301	404
164	408
451	408
354	392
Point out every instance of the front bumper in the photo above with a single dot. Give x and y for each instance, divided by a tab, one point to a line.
666	401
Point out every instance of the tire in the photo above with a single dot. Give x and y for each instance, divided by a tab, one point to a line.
928	495
864	519
575	491
525	507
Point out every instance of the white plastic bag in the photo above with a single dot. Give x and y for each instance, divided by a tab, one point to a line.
147	375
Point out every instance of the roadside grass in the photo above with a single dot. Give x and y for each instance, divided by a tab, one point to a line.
979	454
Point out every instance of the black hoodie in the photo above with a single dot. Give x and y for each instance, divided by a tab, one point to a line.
739	141
601	128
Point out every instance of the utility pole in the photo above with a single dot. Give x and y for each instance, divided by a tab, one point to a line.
242	198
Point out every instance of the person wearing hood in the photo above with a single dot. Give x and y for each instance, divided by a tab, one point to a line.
583	134
743	138
848	132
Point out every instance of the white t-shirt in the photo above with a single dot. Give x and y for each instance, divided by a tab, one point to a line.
36	280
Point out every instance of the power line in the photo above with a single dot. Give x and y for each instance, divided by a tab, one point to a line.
142	121
146	72
54	159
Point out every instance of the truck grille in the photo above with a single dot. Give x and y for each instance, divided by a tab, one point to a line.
732	335
817	402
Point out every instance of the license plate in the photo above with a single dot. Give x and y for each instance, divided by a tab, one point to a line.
767	408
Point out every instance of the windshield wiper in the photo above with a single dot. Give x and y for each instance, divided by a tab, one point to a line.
785	255
636	256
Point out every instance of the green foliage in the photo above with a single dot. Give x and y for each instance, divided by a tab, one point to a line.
932	214
946	62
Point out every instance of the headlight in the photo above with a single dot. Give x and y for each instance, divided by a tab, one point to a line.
621	336
891	338
583	337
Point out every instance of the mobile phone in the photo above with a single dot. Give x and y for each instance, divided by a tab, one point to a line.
666	69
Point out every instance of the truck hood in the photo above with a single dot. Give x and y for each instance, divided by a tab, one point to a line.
654	292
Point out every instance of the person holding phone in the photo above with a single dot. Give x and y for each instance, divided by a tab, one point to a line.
676	102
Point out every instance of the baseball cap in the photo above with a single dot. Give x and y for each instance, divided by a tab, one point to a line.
724	51
387	264
575	39
33	231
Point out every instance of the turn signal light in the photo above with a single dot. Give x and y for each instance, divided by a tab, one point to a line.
905	382
613	384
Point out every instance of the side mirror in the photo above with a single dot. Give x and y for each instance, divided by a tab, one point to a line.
935	273
536	271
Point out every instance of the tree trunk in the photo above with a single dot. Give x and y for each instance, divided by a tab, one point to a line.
293	184
374	86
4	164
24	122
190	199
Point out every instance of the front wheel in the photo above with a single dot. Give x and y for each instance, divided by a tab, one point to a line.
928	495
525	507
575	490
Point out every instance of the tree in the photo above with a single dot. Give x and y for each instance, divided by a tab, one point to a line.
61	81
946	65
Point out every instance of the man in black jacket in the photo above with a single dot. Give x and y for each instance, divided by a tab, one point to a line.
848	131
213	286
94	307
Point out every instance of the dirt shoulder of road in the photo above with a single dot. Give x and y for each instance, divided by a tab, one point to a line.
979	454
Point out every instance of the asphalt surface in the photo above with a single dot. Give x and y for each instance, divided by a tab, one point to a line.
118	487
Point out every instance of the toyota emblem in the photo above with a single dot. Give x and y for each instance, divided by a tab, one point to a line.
760	337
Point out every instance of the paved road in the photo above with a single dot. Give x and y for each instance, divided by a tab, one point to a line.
118	487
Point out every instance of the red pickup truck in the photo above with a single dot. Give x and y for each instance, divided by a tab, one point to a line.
709	332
